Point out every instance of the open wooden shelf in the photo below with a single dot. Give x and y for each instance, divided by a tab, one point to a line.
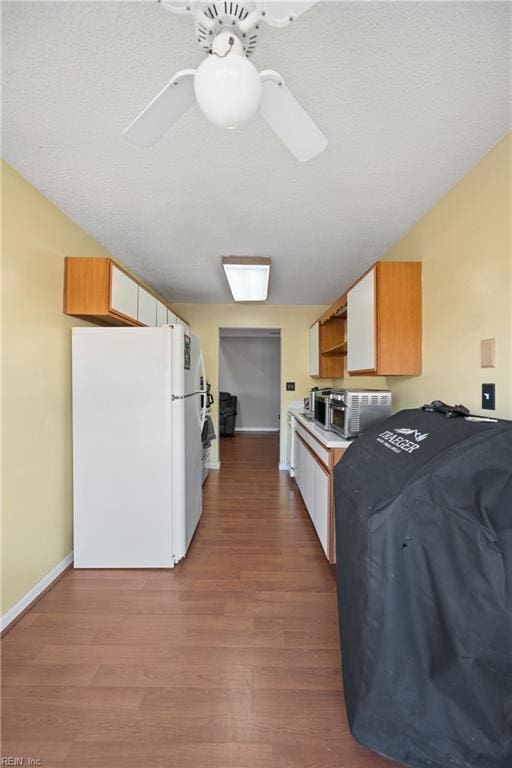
337	349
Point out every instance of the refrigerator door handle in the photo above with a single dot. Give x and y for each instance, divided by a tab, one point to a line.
189	394
204	391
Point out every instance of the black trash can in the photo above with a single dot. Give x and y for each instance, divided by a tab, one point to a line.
227	414
424	577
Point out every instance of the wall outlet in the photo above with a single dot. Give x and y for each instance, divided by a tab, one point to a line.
488	397
290	386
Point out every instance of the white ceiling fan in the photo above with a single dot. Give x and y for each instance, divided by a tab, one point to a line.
226	86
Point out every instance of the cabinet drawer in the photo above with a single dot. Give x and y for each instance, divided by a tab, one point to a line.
316	447
123	293
147	308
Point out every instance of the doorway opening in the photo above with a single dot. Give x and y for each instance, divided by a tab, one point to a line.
249	383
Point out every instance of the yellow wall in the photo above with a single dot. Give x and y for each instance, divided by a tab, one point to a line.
464	242
294	322
36	378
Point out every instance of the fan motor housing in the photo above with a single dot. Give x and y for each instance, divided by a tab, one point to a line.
221	16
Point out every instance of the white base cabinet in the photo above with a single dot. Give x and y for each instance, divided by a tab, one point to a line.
322	506
313	482
314	475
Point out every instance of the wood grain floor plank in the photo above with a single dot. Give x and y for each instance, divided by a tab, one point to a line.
77	698
47	673
53	753
124	754
198	701
172	675
298	678
215	656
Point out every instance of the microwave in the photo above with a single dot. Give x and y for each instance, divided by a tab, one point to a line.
352	411
321	408
316	392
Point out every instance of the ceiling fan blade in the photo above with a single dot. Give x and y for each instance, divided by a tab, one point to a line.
167	106
181	7
279	13
289	119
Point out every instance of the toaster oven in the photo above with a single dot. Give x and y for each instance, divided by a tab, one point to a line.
352	411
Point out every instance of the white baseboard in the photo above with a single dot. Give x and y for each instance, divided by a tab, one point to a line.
213	465
257	429
284	467
9	616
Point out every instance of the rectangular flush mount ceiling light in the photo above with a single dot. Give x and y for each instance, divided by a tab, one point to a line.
247	276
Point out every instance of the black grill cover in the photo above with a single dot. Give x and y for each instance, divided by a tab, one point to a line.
424	576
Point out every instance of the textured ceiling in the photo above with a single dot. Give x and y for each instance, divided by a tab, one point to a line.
410	96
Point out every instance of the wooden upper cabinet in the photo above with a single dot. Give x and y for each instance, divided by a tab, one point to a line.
103	292
384	321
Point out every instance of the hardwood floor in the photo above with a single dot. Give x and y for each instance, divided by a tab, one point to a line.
230	660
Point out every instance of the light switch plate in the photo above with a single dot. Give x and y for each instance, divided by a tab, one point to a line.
488	353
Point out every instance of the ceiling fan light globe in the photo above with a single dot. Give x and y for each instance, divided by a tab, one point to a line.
228	90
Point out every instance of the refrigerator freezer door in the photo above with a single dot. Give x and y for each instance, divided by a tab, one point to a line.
193	466
121	448
194	405
185	437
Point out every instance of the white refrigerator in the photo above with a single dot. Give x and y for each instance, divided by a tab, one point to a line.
138	412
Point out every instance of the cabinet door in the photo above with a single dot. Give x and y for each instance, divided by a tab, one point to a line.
171	317
299	465
295	448
161	313
314	350
321	518
123	293
309	483
147	308
361	342
179	321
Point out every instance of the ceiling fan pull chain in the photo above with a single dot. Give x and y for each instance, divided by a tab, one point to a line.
231	43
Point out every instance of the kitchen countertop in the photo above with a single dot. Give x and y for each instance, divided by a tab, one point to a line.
329	439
